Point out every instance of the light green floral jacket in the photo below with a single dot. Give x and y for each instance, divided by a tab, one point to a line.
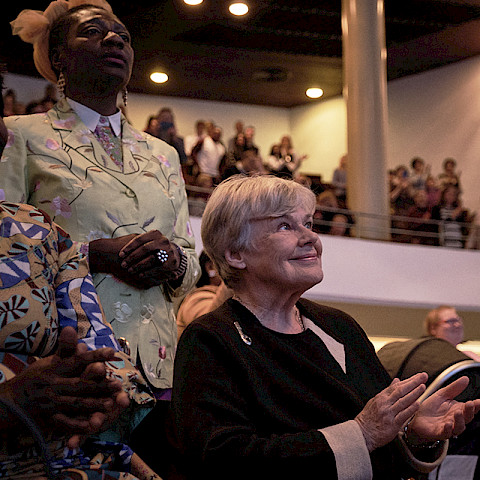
54	162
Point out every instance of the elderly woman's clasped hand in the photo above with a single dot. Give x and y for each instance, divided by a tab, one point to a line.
71	388
438	418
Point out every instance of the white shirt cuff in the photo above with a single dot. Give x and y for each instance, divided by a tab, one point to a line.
351	454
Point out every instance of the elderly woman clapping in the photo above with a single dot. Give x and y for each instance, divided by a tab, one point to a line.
274	386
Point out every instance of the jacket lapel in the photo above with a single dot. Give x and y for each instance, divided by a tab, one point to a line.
136	152
76	136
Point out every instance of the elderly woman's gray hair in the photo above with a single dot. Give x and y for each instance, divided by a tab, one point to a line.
235	203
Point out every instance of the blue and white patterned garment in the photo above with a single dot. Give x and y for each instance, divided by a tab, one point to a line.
45	285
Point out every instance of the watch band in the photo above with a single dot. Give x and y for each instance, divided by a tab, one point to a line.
182	268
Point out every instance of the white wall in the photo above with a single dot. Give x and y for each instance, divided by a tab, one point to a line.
320	130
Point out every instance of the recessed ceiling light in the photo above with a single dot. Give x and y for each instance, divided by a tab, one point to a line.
238	9
159	77
193	2
314	92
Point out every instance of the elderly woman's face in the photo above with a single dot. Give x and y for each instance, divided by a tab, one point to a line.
286	253
97	44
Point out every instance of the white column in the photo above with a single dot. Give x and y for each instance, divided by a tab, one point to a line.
365	91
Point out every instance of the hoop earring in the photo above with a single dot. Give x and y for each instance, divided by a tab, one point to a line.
61	85
125	96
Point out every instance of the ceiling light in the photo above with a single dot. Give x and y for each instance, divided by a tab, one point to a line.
238	8
314	92
159	77
193	2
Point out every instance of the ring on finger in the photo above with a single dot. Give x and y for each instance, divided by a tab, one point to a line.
162	256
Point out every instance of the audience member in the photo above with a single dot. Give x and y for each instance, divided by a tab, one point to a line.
270	384
452	229
250	139
50	97
445	323
327	208
339	181
209	152
118	191
168	133
433	192
419	174
400	192
235	151
192	139
249	164
303	179
340	225
238	130
433	353
152	126
11	105
283	161
420	215
273	160
449	176
209	294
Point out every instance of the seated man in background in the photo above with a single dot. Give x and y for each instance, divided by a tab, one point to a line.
445	323
433	353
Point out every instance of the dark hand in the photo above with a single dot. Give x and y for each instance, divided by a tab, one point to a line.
139	258
71	388
384	415
104	258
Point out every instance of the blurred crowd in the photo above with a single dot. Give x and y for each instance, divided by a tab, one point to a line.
426	209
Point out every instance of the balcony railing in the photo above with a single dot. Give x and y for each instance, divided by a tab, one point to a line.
396	228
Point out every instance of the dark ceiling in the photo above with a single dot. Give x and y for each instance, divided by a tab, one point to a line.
270	56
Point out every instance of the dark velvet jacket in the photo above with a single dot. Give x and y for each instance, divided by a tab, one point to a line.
243	410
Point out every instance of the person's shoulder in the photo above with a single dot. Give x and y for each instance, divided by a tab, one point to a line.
23	212
330	319
25	122
218	323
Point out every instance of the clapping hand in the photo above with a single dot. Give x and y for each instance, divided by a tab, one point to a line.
384	415
69	392
440	416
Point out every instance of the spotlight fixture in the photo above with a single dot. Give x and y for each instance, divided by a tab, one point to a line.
193	2
238	9
159	77
314	92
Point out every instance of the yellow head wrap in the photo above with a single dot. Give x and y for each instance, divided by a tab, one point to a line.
33	26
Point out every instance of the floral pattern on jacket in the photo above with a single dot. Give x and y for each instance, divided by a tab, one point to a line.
54	162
